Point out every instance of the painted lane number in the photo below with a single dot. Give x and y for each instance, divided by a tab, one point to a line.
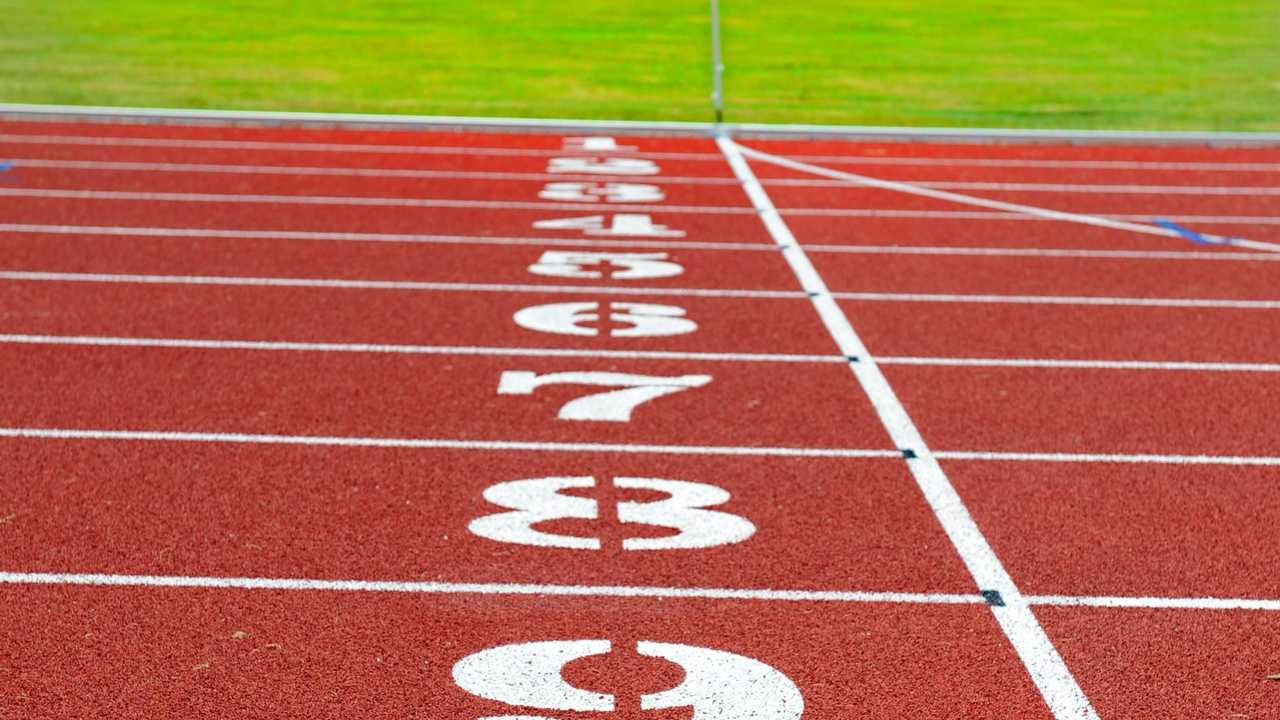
717	685
578	318
541	499
607	406
585	264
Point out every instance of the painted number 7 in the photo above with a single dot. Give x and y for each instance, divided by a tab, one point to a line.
608	406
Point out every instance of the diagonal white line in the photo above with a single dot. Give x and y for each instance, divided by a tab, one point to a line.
1047	669
1015	208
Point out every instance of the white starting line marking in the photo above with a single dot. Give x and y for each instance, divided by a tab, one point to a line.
1016	208
521	445
334	283
621	591
492	351
1048	671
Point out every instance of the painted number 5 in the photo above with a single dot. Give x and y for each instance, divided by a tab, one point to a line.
608	406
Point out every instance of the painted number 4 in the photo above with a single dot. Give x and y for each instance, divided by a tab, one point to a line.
608	406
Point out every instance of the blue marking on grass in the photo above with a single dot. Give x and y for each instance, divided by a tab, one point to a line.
1192	235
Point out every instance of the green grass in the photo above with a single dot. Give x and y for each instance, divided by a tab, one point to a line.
1163	64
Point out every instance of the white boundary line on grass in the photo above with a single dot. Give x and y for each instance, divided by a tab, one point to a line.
177	436
425	286
407	238
1065	698
620	591
1016	208
509	351
556	125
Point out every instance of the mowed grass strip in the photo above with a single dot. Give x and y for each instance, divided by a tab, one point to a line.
1163	64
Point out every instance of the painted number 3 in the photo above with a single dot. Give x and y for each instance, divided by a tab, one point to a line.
718	685
541	500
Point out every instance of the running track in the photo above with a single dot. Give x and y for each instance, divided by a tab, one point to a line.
312	423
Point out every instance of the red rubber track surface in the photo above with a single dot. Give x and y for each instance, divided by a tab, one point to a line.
272	421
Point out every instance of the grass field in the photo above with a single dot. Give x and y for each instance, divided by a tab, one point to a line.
1164	64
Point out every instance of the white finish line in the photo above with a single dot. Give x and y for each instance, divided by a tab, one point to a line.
1048	671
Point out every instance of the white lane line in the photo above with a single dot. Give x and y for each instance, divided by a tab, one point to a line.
420	202
622	591
335	283
368	172
395	349
988	216
328	147
1253	191
1048	671
1138	459
359	201
1016	208
218	280
309	170
1226	304
527	446
1157	603
1076	364
1044	252
250	234
436	443
447	588
494	351
397	149
1030	163
405	238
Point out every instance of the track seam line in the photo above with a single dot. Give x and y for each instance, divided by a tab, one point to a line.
518	351
1063	695
134	232
1015	208
422	285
